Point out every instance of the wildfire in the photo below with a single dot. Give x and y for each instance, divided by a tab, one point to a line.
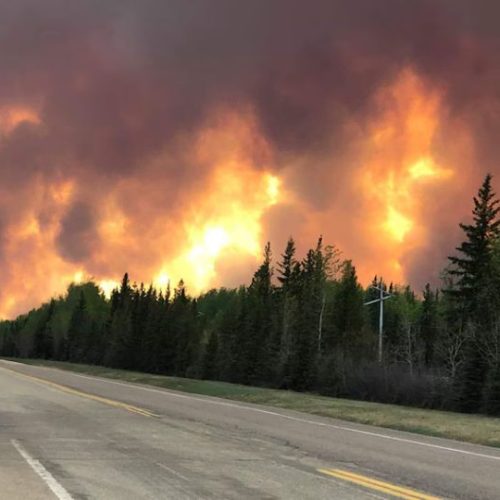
31	253
401	163
227	220
107	286
217	222
396	224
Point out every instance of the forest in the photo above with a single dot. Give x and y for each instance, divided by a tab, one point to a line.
301	324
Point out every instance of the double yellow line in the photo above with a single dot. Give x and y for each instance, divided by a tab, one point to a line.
86	395
381	486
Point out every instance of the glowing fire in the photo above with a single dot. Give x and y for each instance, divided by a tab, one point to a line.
234	228
400	163
226	220
107	286
218	222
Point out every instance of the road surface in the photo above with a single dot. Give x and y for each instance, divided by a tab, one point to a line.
70	436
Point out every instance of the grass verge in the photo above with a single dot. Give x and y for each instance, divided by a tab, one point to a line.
470	428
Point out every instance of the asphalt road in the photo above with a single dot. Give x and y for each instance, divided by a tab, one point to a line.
70	436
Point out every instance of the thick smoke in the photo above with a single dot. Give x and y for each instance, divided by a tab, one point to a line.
110	119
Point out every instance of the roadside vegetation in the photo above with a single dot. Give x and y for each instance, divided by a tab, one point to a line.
470	428
301	325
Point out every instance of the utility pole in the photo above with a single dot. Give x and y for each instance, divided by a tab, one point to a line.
383	295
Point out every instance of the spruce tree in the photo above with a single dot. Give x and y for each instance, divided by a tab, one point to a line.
474	293
289	272
470	382
472	267
287	265
78	330
43	345
257	324
305	341
348	314
232	339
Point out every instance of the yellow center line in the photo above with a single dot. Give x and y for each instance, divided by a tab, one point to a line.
86	395
374	484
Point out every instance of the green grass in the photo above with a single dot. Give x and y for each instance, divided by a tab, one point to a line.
471	428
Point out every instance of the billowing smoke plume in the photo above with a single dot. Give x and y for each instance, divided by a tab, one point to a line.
173	138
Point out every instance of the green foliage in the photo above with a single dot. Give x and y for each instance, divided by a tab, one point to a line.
473	304
472	268
428	324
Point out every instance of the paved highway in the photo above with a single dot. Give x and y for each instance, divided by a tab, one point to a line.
71	436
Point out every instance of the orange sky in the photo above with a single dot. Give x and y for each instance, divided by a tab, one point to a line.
174	141
217	235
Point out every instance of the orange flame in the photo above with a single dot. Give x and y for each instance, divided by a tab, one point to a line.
400	164
227	219
219	220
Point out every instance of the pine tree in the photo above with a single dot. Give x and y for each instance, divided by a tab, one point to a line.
232	339
348	309
148	356
43	342
287	265
78	330
474	293
471	378
306	338
184	338
258	323
472	268
120	349
289	272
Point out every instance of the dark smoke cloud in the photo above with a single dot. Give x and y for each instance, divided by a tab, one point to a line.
76	238
119	84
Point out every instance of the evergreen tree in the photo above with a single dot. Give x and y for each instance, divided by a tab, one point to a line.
43	345
306	339
78	331
475	293
287	266
471	378
348	310
231	339
258	323
120	351
183	331
472	268
289	274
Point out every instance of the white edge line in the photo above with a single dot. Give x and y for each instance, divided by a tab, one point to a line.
44	474
168	392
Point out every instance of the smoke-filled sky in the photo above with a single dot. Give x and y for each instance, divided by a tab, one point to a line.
174	138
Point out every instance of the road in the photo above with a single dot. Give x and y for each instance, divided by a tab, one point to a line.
70	436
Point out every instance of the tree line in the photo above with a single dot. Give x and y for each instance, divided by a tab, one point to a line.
301	324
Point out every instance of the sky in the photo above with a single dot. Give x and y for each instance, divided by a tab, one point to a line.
173	139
